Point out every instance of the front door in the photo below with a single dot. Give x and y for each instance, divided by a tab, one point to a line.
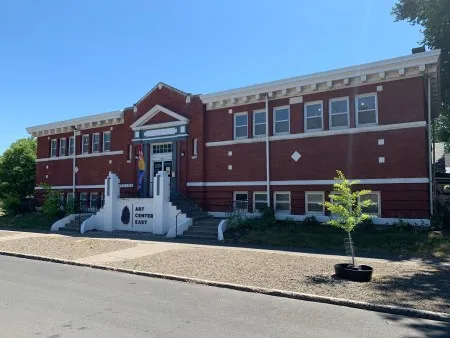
161	160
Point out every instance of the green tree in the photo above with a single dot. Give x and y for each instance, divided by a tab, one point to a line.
17	168
347	207
434	18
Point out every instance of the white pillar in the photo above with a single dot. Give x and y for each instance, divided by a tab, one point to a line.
112	194
161	197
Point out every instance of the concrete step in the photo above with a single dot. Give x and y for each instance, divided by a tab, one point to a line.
69	231
203	227
197	236
197	231
202	217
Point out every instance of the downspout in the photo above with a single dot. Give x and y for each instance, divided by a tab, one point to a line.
267	151
430	173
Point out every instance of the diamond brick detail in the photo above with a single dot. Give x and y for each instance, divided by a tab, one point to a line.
296	156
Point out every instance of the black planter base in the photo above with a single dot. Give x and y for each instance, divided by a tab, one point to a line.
360	273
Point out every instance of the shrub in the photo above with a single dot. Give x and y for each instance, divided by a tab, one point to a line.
50	207
11	203
310	220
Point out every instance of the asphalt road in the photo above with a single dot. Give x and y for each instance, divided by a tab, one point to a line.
40	299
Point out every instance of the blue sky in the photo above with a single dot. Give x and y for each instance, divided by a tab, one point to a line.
65	59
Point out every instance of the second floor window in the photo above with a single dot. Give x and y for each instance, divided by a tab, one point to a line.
96	142
107	141
366	110
281	120
240	125
53	148
339	113
313	116
259	123
71	145
62	147
85	144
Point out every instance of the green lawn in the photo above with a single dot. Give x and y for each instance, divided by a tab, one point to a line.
29	221
406	242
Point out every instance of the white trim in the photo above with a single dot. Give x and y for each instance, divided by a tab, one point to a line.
259	192
305	115
103	141
379	202
93	143
152	112
406	125
161	125
413	180
55	155
234	125
235	200
195	146
274	109
158	137
65	146
93	186
335	99
259	111
322	213
357	111
275	201
106	153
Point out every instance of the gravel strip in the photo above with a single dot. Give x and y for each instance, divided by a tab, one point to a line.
7	233
425	287
64	247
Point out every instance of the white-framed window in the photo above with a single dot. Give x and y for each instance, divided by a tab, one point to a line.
62	147
314	116
195	147
61	198
282	201
107	141
314	202
259	123
240	199
83	199
93	200
53	148
69	198
259	200
96	142
375	209
162	148
366	108
71	145
240	125
339	113
281	120
85	149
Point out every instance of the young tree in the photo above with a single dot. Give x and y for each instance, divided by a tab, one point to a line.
18	167
434	18
347	207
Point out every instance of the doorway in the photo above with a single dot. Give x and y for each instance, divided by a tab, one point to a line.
161	160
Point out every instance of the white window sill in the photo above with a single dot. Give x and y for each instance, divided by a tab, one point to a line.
366	125
313	130
194	157
285	133
128	161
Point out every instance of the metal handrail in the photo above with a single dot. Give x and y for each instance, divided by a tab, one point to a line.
176	224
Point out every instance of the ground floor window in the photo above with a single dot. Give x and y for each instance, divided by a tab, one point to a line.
375	209
83	199
240	200
314	202
69	197
93	200
282	201
259	200
61	198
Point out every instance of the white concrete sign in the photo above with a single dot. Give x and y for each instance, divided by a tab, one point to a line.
135	214
160	132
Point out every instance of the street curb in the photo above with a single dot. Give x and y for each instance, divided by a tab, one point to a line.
397	310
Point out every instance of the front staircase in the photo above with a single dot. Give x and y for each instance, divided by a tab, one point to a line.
74	225
204	226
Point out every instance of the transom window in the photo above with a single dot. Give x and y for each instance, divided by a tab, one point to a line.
85	144
282	201
314	202
53	147
281	120
162	148
62	147
339	111
373	209
71	145
259	123
314	116
240	125
366	110
259	200
107	141
96	142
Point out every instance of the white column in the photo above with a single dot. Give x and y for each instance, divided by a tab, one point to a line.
161	198
112	194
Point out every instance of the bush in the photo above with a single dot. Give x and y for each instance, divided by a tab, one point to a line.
11	203
50	207
310	220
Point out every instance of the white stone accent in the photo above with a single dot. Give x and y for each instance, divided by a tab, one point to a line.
296	99
230	167
379	88
230	153
381	160
296	156
110	161
381	141
230	111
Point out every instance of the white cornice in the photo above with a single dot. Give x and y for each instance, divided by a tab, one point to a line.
385	70
86	122
70	157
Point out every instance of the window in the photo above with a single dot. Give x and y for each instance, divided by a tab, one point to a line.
130	152
162	148
69	198
85	144
53	147
281	120
61	198
107	141
71	145
240	125
282	201
373	209
195	147
314	202
366	110
62	147
240	200
93	200
83	200
259	123
314	116
339	109
96	142
259	200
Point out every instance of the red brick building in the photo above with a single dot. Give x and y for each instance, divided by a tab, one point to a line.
371	121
